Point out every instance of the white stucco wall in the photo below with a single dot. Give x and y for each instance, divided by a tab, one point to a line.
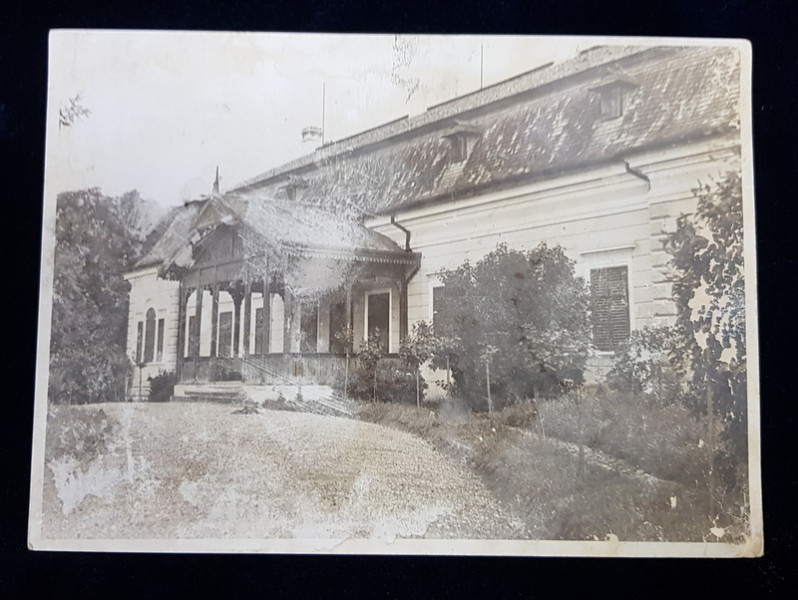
602	217
148	291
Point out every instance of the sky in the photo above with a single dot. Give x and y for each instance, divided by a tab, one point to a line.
167	108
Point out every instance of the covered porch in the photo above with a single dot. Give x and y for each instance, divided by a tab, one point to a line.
273	291
289	323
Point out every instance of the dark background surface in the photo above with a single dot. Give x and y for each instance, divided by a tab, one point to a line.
769	24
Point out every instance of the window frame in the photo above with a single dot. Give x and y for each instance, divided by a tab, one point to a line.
150	333
160	327
629	300
376	292
139	341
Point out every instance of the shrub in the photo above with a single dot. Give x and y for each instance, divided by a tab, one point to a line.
162	386
84	434
662	441
395	382
707	259
517	319
520	414
642	367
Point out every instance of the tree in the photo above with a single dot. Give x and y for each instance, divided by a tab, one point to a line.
93	247
368	358
416	349
346	338
517	319
706	252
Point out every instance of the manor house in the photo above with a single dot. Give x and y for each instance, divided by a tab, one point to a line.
279	276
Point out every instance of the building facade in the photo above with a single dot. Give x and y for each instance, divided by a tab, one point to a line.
599	154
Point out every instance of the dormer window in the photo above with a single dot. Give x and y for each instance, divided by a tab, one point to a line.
293	184
461	137
611	97
459	148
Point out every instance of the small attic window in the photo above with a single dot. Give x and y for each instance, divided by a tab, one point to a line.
612	103
611	97
293	184
462	137
459	151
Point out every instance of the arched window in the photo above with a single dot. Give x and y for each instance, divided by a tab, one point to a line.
149	337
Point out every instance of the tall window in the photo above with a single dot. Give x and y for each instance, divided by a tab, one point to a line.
139	341
337	326
609	293
193	337
379	317
159	345
149	337
309	327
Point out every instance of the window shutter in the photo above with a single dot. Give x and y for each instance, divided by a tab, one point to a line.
609	290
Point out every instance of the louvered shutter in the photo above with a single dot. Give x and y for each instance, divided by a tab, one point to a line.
609	291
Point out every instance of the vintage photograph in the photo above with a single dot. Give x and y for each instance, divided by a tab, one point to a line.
397	294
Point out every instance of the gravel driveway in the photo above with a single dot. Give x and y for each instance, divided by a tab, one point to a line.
198	471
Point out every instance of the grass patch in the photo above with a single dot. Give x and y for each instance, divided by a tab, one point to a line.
540	476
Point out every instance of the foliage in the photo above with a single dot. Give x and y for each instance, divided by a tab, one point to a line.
162	386
93	247
84	434
367	360
416	349
664	441
345	337
541	481
388	380
642	366
706	252
523	313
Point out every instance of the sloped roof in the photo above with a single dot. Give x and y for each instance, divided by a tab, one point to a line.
271	223
309	226
541	123
177	227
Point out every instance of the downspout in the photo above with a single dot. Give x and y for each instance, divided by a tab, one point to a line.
637	173
403	324
404	229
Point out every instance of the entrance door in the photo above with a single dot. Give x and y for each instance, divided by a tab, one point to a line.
379	317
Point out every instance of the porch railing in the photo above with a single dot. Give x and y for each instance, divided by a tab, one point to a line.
322	369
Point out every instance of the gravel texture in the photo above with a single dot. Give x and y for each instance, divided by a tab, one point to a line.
195	470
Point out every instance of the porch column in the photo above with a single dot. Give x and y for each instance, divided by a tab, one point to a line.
288	301
266	313
350	346
247	316
349	306
237	297
198	319
402	309
182	306
214	318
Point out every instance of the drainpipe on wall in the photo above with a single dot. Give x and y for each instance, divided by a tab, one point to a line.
637	173
403	284
404	229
